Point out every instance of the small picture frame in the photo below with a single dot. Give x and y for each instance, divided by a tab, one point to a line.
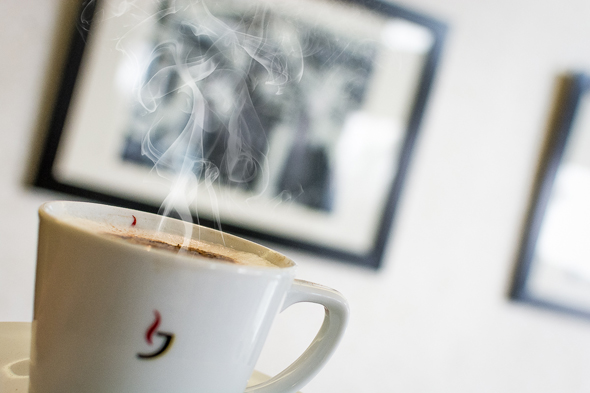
288	121
553	271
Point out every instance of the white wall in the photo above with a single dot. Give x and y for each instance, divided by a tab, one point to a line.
436	318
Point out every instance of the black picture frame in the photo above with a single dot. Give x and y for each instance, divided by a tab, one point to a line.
571	89
372	257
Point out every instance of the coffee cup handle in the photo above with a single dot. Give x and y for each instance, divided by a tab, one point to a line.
302	370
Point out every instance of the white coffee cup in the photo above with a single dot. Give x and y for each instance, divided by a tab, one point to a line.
113	316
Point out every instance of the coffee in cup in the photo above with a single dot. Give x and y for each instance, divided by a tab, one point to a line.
183	244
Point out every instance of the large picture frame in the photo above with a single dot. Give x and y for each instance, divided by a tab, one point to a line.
553	270
287	121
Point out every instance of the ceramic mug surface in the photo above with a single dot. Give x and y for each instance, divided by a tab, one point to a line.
114	316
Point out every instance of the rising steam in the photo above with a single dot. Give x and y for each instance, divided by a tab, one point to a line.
197	99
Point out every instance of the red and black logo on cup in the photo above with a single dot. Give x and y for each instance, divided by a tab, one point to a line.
166	343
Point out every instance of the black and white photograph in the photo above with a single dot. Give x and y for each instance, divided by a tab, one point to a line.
324	81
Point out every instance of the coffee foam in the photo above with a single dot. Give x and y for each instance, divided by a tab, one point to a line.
172	242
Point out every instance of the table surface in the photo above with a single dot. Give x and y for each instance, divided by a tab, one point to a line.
15	342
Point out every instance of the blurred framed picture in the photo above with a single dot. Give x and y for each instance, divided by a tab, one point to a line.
285	121
553	267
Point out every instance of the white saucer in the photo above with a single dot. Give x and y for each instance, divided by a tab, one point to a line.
15	342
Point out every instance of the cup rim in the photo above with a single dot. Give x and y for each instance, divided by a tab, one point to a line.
56	210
